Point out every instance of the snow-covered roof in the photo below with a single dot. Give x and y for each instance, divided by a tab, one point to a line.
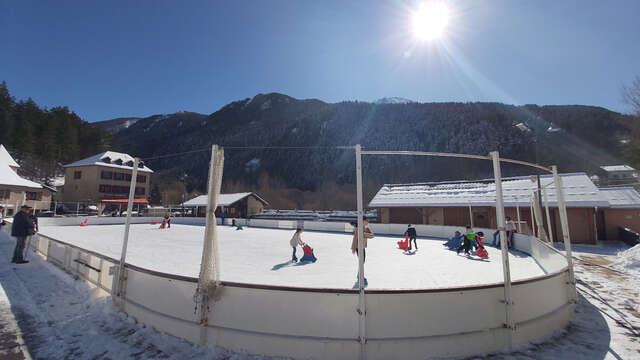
579	191
621	197
8	177
223	199
617	168
109	159
57	181
6	158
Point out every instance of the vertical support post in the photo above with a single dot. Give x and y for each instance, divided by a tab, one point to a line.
595	223
361	294
119	294
55	208
209	277
518	215
78	208
546	204
470	215
533	224
495	156
562	208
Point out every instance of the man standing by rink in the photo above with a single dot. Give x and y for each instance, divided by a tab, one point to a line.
21	228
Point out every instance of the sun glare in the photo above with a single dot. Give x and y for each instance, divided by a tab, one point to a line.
430	20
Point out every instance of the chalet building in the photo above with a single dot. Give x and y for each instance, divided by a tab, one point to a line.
238	205
593	213
104	179
16	191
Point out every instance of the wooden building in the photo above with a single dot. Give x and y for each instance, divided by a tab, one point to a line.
237	205
592	213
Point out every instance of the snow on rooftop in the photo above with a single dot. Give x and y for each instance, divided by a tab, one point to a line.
223	199
617	168
8	177
109	159
621	197
578	189
6	158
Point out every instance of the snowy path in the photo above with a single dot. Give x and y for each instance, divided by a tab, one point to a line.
262	256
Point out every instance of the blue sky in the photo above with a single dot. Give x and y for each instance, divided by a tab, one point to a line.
107	59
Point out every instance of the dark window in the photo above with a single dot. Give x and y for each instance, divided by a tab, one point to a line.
127	177
140	191
118	176
77	174
141	178
34	196
107	175
105	189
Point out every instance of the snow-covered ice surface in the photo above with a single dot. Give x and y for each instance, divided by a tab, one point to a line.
262	256
63	319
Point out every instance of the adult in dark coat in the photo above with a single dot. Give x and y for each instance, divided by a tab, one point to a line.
22	227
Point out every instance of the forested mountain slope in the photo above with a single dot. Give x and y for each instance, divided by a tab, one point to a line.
576	138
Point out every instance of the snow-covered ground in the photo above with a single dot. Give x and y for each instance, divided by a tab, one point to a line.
262	256
61	318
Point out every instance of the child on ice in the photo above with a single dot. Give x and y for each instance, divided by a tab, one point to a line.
482	252
294	242
455	241
468	241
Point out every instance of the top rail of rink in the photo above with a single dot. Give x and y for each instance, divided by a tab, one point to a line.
276	321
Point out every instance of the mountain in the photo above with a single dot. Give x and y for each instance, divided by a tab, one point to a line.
393	100
317	174
114	125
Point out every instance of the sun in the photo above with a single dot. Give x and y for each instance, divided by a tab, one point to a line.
430	20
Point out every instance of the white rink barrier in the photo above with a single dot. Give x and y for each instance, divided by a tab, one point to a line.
313	323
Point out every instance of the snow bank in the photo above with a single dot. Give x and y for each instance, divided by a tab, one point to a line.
629	260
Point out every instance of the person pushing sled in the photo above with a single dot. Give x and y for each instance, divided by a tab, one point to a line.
296	240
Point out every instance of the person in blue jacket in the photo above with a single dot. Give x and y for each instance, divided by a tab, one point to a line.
455	241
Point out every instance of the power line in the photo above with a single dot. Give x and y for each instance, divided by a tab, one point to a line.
248	148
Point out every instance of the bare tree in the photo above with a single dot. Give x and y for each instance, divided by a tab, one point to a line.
631	95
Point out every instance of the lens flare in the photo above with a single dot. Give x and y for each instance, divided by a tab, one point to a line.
430	21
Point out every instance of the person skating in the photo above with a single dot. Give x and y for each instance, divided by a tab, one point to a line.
367	234
294	242
22	227
468	240
455	241
511	229
411	233
481	251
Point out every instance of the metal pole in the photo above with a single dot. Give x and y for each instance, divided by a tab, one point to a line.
470	215
562	208
123	254
209	277
503	246
361	296
518	214
546	203
533	224
78	208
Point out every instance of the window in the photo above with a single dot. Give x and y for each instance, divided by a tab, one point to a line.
107	175
141	178
105	188
140	191
5	194
77	175
34	195
127	177
118	176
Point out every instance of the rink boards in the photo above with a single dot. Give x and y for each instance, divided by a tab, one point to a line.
323	323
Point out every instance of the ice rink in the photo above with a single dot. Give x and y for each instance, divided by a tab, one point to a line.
262	256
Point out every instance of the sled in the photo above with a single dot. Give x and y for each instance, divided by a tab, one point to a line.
404	245
84	223
153	222
164	224
482	252
308	254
